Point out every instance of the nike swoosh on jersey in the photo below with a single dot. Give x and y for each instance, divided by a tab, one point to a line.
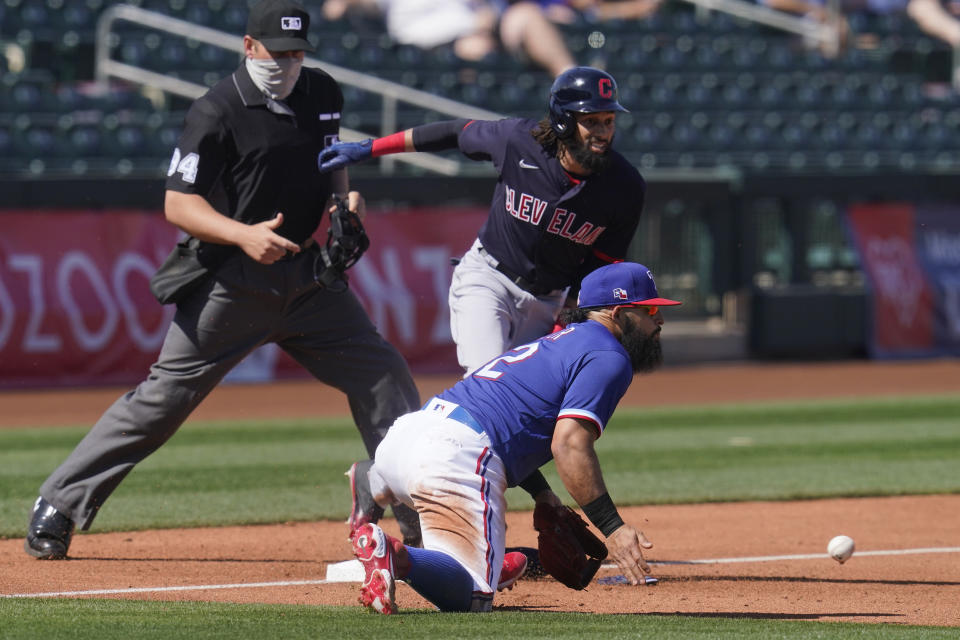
526	165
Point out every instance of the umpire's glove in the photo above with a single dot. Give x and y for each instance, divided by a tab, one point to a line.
343	154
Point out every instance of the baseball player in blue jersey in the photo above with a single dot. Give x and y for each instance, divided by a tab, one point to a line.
565	203
454	459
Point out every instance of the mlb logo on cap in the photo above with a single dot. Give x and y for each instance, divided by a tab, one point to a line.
619	285
280	25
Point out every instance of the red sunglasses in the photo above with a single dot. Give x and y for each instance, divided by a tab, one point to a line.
652	309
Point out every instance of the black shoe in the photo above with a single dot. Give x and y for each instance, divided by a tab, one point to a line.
364	508
49	532
409	523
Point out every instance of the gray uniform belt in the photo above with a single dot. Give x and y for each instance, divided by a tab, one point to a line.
515	278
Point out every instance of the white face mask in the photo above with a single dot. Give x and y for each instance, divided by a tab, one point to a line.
274	77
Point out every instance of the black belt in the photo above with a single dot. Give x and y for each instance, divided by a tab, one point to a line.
517	279
290	255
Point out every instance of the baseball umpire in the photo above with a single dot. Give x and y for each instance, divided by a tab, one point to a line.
565	204
454	459
243	185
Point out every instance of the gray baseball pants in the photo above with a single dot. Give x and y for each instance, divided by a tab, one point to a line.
490	315
245	305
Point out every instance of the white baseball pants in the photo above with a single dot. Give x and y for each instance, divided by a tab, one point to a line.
437	462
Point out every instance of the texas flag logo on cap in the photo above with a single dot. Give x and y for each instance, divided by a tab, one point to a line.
620	284
290	23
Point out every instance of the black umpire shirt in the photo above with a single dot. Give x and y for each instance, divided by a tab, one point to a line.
251	157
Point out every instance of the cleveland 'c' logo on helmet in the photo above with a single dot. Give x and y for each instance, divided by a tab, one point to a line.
605	88
581	90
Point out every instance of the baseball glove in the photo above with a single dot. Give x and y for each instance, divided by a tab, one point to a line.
346	242
568	550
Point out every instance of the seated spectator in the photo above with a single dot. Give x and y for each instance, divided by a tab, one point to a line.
569	11
474	29
525	29
817	11
357	11
935	19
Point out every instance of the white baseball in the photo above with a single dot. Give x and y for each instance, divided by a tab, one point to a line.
840	548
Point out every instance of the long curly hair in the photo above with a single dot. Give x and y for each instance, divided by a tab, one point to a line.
546	137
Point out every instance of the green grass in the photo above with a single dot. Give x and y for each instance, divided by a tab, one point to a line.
777	452
117	619
253	472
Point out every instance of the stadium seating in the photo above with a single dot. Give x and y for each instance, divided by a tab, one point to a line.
703	92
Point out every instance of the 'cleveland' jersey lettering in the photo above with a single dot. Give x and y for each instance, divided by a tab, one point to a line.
531	209
562	224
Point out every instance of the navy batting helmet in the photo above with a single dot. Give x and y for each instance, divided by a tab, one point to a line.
580	90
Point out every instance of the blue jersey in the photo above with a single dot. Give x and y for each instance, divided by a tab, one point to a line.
544	224
581	372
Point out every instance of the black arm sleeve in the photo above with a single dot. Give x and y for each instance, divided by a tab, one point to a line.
534	483
438	136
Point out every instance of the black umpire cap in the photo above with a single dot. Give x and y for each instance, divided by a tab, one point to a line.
281	25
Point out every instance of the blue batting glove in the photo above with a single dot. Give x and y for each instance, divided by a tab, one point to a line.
343	154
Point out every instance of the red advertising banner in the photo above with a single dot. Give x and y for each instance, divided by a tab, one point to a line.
74	302
903	302
75	308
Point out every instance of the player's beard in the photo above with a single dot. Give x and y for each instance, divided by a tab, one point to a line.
593	162
644	350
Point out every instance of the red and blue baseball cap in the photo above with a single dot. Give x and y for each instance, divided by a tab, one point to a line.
621	284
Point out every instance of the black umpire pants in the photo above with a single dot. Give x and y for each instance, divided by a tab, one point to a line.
246	304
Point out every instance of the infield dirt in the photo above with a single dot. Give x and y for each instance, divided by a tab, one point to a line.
912	588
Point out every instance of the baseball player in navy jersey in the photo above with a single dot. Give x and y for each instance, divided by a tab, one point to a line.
565	203
454	459
243	185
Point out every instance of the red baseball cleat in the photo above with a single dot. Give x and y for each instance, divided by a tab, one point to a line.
374	550
514	566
